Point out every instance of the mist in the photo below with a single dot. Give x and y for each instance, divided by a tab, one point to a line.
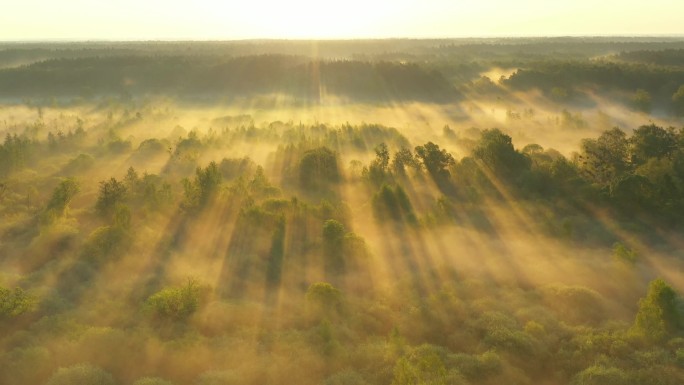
451	211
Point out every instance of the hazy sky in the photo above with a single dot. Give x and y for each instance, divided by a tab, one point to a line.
213	19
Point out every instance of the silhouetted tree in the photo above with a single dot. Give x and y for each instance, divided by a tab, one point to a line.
112	192
318	168
495	150
62	196
436	161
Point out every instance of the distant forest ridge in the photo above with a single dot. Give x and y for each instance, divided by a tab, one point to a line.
431	70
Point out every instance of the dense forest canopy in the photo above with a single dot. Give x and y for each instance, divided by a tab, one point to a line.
455	211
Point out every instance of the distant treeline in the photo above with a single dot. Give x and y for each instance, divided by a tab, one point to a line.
241	76
603	74
666	57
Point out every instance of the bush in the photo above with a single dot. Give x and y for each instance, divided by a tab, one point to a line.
176	303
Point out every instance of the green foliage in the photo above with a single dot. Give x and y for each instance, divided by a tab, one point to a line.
318	168
402	159
425	366
575	304
80	163
435	161
624	254
203	188
15	152
112	193
495	150
14	302
602	375
333	243
61	197
235	167
176	303
323	296
605	159
651	142
378	168
110	241
642	101
152	146
477	367
276	254
392	203
81	374
658	316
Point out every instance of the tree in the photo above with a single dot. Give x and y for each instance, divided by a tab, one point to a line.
393	203
605	159
377	170
641	100
651	141
176	303
323	297
425	366
318	168
658	315
112	192
62	196
495	150
333	243
204	187
436	161
402	159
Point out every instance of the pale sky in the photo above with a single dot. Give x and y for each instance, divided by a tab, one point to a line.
293	19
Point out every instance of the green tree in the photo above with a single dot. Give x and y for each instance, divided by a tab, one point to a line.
642	100
435	160
605	159
333	245
318	168
112	192
651	141
425	366
204	187
658	315
402	159
377	170
602	375
393	203
324	297
62	196
495	150
176	303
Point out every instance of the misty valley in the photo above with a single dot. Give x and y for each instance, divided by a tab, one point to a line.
353	212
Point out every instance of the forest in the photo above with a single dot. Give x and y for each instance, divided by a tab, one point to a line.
391	212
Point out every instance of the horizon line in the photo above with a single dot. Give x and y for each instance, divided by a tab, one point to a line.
332	39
